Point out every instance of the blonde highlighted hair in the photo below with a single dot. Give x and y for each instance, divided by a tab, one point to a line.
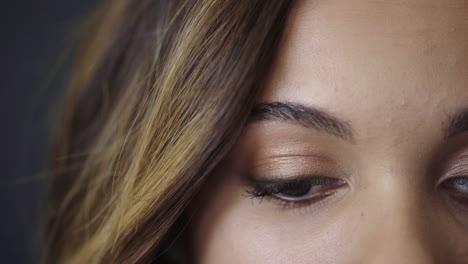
160	90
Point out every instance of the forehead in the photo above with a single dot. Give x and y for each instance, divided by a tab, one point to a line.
363	58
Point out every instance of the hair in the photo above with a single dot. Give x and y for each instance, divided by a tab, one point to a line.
159	92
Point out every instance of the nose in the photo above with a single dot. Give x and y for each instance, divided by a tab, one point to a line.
399	246
400	230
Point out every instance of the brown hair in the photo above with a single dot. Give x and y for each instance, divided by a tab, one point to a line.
159	92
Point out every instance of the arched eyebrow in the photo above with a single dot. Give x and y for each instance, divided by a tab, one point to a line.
302	115
457	124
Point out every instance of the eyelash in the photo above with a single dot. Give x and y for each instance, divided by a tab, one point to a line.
275	190
458	193
272	189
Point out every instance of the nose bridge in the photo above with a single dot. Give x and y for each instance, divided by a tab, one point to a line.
400	226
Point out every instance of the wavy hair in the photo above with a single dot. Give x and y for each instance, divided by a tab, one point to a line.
159	92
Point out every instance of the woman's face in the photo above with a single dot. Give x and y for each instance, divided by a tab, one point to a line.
358	149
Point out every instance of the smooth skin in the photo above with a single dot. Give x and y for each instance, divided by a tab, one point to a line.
396	72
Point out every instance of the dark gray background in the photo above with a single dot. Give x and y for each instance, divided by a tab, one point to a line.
35	37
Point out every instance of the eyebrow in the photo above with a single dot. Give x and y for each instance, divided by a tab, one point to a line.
302	115
457	124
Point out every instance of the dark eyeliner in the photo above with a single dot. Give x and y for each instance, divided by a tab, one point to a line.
294	188
457	193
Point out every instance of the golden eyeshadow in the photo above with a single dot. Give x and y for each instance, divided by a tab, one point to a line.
288	166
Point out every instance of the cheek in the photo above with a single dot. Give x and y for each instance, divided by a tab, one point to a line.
243	234
232	229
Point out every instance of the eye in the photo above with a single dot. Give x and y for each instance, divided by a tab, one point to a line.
299	190
457	188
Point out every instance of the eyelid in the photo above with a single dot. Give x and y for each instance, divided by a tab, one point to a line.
284	167
329	182
450	164
457	180
281	179
456	168
327	187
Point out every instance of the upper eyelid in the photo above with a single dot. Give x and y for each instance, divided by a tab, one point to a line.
273	159
285	183
319	160
331	169
270	187
278	180
453	166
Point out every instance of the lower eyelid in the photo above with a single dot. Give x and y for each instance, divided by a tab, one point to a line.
308	200
287	205
456	201
319	206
